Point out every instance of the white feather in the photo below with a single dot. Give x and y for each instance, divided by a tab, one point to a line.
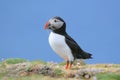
58	44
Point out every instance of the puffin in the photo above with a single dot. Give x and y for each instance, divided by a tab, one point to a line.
62	44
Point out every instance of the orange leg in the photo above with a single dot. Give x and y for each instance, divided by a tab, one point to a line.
70	65
67	64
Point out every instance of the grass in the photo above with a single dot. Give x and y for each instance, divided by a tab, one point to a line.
105	76
36	77
38	62
35	63
111	71
32	77
14	60
59	72
108	76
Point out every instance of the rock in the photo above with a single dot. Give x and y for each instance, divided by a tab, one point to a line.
87	76
45	70
42	69
70	75
87	73
94	78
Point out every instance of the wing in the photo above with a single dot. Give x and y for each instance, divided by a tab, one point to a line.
76	50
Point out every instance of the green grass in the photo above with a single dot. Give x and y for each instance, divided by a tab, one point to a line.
35	77
62	63
14	60
108	76
59	72
1	75
35	63
38	62
32	77
111	71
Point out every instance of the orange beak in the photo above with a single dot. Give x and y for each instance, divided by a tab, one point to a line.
46	25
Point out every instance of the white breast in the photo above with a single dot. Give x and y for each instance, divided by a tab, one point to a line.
57	43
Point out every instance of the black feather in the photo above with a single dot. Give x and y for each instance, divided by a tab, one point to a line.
77	52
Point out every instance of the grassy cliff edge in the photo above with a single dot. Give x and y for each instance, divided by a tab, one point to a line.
21	69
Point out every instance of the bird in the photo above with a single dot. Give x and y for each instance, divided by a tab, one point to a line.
62	44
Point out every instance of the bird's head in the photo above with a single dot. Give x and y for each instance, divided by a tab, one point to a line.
55	23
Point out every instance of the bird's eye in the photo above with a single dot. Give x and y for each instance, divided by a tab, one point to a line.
55	20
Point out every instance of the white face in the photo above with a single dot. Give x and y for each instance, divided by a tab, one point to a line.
55	24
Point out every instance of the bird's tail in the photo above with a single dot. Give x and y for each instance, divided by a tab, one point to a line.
86	55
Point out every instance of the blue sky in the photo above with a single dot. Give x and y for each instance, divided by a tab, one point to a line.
94	24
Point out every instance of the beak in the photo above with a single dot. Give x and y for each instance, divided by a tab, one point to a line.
47	25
